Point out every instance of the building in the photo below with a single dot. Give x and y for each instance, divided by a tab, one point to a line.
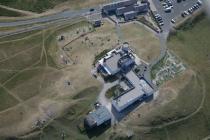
96	23
117	61
121	61
97	118
120	11
130	15
111	7
141	8
140	91
128	9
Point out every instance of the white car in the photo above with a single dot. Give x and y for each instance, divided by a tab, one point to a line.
199	2
168	9
173	21
161	23
164	4
186	13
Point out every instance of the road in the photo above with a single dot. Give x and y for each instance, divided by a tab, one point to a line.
35	27
45	21
53	17
49	18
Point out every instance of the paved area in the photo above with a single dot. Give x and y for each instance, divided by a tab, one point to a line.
103	100
48	18
176	11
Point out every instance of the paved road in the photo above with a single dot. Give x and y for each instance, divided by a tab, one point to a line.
49	18
34	27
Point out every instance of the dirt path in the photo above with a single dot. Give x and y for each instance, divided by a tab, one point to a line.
16	54
20	39
43	47
29	67
22	102
12	94
26	13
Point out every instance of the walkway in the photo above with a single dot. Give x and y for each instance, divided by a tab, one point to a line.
103	100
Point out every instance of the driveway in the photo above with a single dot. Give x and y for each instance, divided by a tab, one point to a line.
104	101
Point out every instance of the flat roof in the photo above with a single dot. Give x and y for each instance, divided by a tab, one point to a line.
141	87
130	12
121	1
99	116
112	63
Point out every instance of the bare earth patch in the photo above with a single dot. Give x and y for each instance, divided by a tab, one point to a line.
145	43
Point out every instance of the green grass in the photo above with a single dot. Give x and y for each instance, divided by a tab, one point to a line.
69	122
19	36
29	5
85	93
186	103
9	13
191	44
40	6
100	55
20	52
5	75
51	39
157	67
23	60
112	92
28	83
6	100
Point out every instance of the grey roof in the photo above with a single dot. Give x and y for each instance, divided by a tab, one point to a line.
117	4
98	117
122	10
112	63
129	13
121	3
142	7
141	88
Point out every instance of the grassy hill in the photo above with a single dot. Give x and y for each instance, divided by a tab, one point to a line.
40	6
32	5
9	13
191	43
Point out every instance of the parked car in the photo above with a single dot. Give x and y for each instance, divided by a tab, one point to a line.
199	2
186	13
173	21
161	23
183	15
167	10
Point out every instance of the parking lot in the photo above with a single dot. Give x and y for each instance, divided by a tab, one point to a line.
176	10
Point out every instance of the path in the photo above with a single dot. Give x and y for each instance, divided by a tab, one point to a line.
18	11
102	98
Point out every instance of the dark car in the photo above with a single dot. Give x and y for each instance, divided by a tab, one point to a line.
92	9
